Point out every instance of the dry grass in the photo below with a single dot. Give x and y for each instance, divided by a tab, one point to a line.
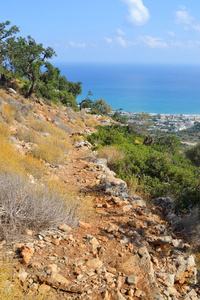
42	126
80	123
76	138
91	123
51	149
138	189
54	106
87	207
27	136
37	125
9	159
33	166
8	112
27	206
11	288
4	132
3	94
66	128
111	153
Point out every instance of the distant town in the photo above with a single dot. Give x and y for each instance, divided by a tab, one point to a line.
162	122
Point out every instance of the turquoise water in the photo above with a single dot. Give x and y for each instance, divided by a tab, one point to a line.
137	88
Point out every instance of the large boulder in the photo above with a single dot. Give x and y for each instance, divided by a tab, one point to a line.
110	183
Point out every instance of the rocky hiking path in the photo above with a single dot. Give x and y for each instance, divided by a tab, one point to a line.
124	250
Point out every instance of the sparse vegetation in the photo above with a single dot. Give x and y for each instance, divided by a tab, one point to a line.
50	149
24	205
12	288
112	154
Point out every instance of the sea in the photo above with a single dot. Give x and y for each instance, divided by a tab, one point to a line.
163	89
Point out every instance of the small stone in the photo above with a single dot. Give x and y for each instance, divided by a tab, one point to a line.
53	268
22	275
56	242
94	243
138	293
124	240
65	228
126	208
28	232
94	263
118	296
26	252
35	286
109	277
59	278
44	288
111	228
84	225
131	279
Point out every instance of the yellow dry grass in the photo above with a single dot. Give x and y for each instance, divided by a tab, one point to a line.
76	138
111	153
91	123
3	94
9	159
33	166
137	141
8	111
27	136
4	132
51	149
37	125
80	123
12	288
53	105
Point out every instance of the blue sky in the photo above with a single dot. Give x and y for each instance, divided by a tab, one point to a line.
132	31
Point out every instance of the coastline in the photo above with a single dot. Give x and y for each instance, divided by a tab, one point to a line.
162	122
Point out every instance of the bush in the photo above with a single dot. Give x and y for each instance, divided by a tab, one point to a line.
80	123
26	206
51	149
112	154
33	166
156	170
193	154
4	132
91	123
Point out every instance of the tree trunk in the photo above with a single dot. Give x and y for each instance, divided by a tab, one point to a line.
31	88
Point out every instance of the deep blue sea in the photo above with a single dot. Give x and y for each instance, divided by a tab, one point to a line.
171	89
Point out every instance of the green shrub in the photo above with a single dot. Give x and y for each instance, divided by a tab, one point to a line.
158	170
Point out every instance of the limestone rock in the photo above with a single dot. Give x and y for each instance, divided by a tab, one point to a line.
65	228
59	278
94	263
186	270
131	279
140	266
22	275
138	203
26	252
117	295
101	161
84	225
94	243
110	183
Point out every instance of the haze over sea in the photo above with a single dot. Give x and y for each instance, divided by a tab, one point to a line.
165	89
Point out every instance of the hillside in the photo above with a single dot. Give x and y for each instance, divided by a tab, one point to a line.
69	228
191	134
